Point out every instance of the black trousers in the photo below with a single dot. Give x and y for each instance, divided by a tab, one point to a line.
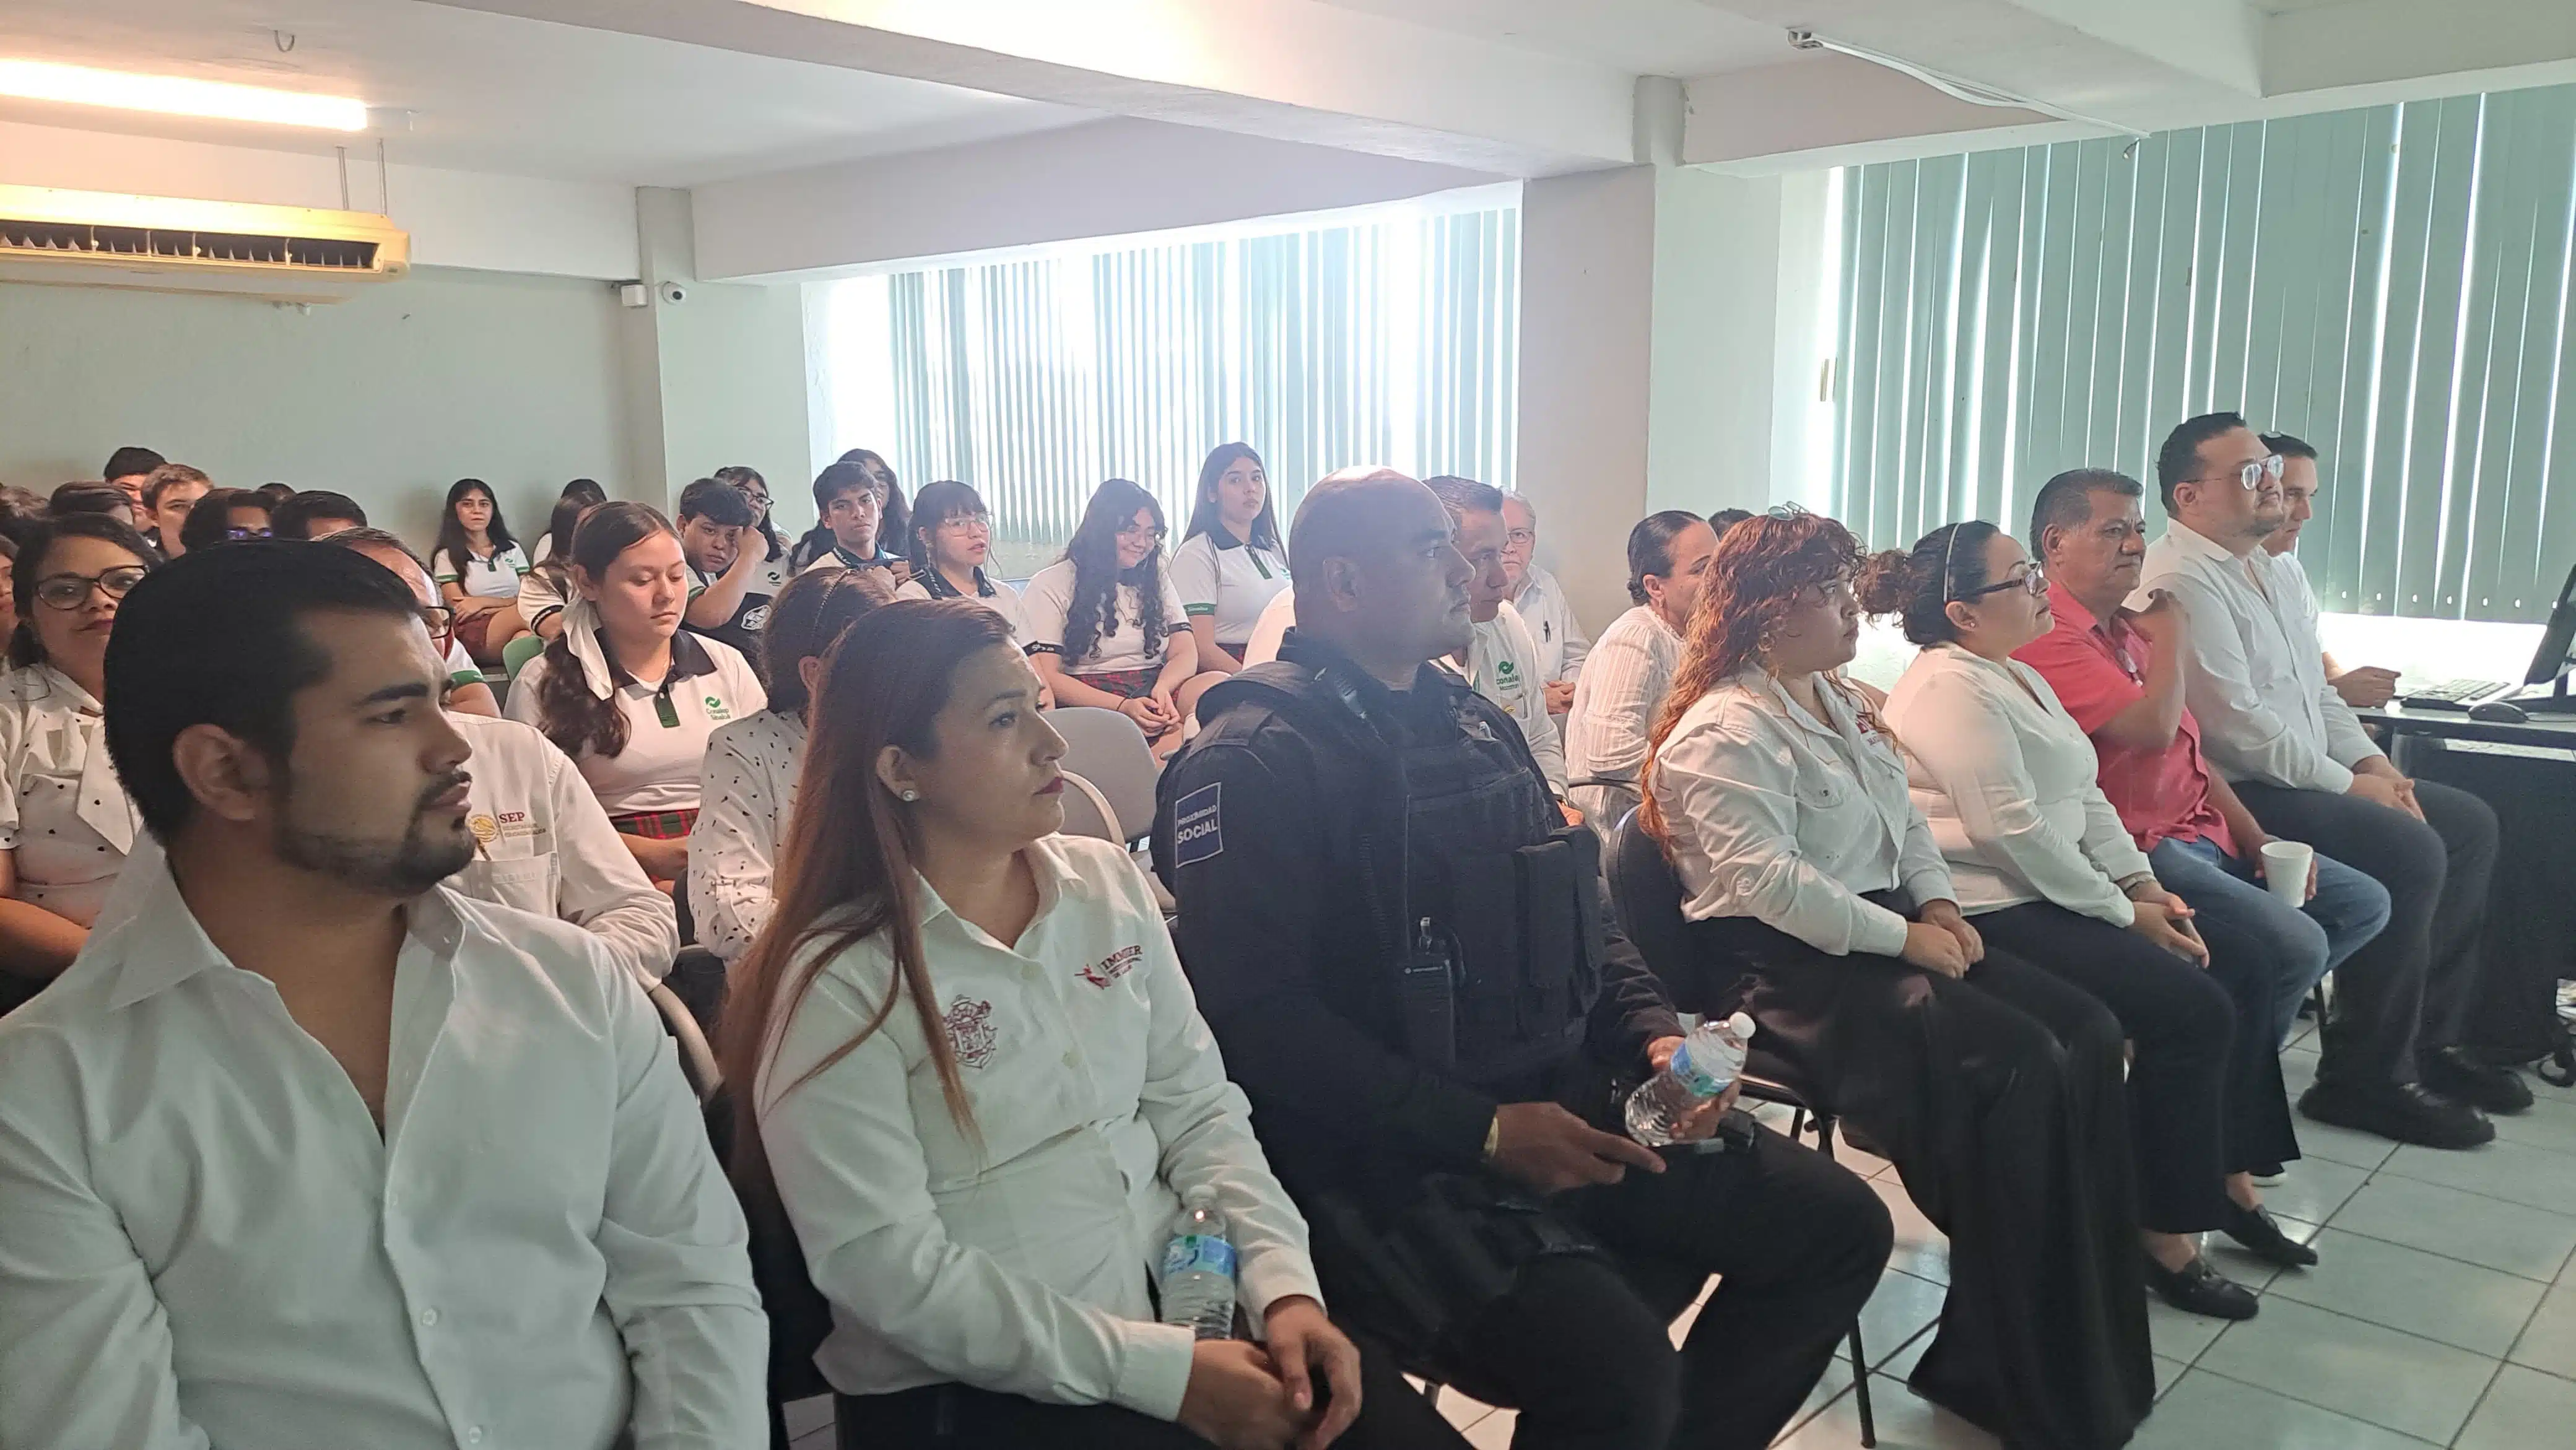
1583	1349
1999	1098
2183	1027
2411	986
959	1417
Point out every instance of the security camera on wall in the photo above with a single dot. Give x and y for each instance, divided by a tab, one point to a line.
673	294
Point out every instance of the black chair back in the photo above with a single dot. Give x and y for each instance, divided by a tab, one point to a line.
1647	898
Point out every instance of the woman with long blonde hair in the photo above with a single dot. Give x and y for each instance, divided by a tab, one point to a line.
972	1080
1823	907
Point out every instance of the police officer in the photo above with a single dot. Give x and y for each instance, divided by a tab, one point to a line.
1406	958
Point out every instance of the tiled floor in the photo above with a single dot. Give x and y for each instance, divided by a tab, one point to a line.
2444	1312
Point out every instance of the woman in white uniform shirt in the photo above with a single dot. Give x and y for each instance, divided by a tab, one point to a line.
628	695
747	794
1627	672
65	823
1105	628
1231	562
1823	908
978	1086
2045	870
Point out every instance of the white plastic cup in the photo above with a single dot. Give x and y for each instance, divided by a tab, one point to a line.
2285	869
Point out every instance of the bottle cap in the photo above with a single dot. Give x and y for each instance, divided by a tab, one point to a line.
1201	1195
1741	1024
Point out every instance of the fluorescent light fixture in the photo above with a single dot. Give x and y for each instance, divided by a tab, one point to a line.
79	85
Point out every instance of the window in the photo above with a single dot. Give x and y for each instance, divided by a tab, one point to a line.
1391	340
2390	284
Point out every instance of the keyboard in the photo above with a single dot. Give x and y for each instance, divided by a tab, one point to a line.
2453	694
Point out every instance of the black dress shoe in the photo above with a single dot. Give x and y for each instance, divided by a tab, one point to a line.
2260	1235
2407	1112
2196	1288
2455	1072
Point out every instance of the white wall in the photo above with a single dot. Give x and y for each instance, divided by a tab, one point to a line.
389	397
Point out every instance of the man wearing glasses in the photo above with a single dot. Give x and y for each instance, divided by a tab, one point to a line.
1541	603
2254	677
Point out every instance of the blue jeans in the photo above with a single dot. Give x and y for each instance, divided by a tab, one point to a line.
2238	914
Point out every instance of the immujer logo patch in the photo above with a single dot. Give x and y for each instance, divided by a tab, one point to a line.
1198	826
1113	966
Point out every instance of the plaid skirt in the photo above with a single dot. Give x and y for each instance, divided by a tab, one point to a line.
657	825
1125	684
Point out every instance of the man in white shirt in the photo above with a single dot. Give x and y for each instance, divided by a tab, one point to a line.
305	1149
1502	658
2363	687
1630	668
2255	680
1542	604
467	691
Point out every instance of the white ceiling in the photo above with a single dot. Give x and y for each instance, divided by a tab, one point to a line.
1642	37
498	93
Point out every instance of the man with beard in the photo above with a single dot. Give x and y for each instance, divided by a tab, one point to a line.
305	1149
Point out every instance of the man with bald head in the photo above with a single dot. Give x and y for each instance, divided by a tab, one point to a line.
1404	952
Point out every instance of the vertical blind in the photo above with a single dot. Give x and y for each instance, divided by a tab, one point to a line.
2390	284
1390	341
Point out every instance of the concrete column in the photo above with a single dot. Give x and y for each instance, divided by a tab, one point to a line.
1650	311
716	377
1587	342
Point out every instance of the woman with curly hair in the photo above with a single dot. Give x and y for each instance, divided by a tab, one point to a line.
1105	628
1822	906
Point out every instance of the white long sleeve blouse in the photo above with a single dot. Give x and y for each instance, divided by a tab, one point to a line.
1789	819
2010	784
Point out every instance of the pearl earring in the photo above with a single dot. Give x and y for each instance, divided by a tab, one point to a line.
911	795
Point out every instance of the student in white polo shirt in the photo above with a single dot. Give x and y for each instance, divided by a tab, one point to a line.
952	540
1104	626
1502	660
305	1149
724	564
629	695
478	566
747	793
978	1086
1231	564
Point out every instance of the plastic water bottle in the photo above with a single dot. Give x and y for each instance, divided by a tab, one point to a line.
1198	1268
1701	1068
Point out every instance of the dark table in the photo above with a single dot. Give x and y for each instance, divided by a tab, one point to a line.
2527	772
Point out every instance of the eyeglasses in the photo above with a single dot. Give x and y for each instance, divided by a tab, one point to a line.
248	534
753	494
2031	579
1156	532
968	523
1520	538
2251	476
71	591
441	621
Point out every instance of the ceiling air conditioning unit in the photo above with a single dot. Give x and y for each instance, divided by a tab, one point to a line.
163	244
